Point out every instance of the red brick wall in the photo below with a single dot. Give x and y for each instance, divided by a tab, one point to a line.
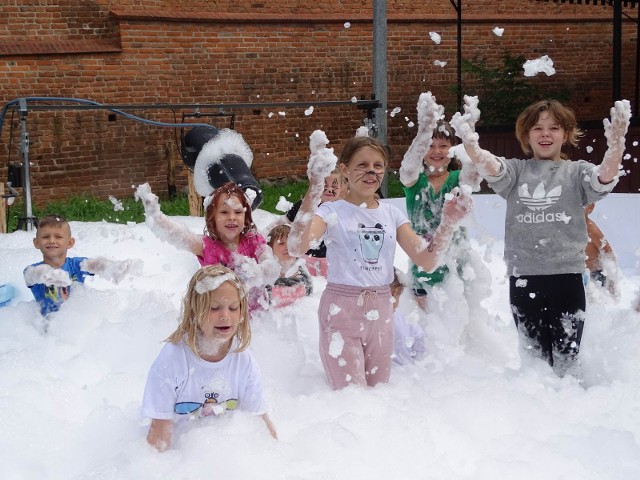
226	52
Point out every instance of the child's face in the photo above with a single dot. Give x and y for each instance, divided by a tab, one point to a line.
437	158
364	172
332	189
54	241
229	218
280	249
546	138
224	316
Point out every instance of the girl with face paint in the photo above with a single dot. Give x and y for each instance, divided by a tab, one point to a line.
361	232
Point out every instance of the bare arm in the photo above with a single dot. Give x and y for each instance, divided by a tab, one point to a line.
615	131
308	227
270	426
465	127
165	228
429	256
160	433
429	112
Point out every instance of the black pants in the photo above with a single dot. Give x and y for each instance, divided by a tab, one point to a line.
549	314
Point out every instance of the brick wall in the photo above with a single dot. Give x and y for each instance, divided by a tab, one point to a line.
230	52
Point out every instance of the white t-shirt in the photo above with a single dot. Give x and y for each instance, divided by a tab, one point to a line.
181	385
361	242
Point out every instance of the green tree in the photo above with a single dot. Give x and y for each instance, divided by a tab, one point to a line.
504	91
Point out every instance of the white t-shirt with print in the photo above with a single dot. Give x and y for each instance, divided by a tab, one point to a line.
361	242
181	385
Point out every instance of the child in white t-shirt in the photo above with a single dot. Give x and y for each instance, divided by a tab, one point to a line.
205	368
361	233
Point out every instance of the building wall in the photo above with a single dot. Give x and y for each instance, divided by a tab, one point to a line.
250	52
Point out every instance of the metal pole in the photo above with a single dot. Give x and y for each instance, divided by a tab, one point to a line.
637	101
28	222
458	9
617	49
380	73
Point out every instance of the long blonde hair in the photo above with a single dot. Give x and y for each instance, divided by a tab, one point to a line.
197	303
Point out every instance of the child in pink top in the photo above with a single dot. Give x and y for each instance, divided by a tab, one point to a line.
230	238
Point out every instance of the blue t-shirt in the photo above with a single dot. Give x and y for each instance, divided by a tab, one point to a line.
50	297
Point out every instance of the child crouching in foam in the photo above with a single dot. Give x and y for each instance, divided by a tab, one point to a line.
295	280
205	368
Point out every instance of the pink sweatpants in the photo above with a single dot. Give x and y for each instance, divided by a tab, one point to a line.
356	334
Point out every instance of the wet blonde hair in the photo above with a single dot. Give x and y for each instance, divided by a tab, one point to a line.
196	306
563	115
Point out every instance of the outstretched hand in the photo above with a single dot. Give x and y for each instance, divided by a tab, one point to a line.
465	124
47	275
458	203
149	200
112	270
429	112
322	160
615	131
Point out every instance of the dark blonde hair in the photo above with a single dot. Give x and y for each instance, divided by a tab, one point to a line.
278	233
356	144
221	194
197	303
52	221
563	115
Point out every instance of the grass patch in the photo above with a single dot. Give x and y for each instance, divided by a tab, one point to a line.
91	209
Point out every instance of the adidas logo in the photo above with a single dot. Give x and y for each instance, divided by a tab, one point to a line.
540	200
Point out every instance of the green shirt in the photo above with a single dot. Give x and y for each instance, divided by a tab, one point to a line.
424	209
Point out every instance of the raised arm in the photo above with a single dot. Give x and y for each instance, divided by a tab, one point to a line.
307	227
429	112
465	128
165	228
429	256
615	131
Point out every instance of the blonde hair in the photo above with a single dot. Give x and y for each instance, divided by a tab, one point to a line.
53	221
196	306
563	115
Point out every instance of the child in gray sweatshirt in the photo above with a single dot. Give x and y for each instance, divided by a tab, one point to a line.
545	227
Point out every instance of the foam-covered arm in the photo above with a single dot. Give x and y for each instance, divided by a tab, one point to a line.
429	112
112	270
465	127
322	161
165	228
430	255
615	131
47	275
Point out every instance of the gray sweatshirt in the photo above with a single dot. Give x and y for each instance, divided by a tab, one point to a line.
545	226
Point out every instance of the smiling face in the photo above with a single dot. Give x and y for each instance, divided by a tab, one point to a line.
229	219
546	137
54	241
364	173
332	188
224	316
437	158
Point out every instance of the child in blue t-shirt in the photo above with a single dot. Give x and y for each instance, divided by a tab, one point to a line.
51	279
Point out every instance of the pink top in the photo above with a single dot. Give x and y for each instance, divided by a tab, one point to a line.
215	253
252	246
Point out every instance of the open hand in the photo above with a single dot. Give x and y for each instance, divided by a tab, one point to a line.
148	198
457	205
322	160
